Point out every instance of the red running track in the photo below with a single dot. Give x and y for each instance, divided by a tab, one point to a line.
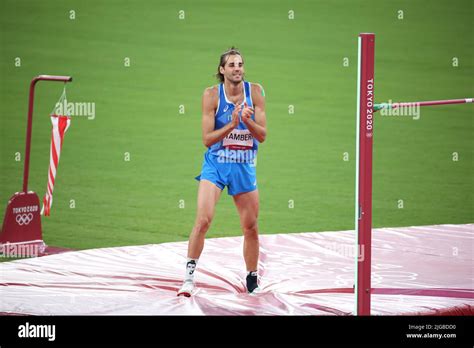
426	270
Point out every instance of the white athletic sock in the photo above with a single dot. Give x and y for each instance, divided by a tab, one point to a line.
253	273
190	268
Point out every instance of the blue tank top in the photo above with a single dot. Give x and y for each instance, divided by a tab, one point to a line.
239	145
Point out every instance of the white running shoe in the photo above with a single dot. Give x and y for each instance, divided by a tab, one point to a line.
255	291
186	289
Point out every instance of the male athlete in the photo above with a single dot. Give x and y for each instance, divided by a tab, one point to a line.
233	124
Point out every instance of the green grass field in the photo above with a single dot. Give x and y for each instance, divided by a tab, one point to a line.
299	62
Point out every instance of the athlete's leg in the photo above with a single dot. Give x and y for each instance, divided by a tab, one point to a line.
208	196
247	205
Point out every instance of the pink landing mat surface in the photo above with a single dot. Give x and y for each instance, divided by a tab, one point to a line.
424	270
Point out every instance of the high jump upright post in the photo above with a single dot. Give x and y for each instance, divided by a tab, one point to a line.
366	108
363	194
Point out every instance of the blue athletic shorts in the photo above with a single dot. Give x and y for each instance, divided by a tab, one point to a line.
238	177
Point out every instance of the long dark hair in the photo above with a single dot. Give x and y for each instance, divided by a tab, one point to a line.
224	57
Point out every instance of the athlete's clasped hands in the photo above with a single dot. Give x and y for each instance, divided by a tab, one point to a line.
247	113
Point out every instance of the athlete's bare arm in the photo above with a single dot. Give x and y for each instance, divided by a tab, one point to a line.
258	128
210	100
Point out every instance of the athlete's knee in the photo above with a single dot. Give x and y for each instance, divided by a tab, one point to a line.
251	231
202	224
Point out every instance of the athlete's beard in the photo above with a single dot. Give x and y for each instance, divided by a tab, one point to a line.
234	82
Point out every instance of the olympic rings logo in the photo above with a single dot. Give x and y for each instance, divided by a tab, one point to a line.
24	219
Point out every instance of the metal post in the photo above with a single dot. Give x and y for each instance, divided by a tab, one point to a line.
29	127
363	204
